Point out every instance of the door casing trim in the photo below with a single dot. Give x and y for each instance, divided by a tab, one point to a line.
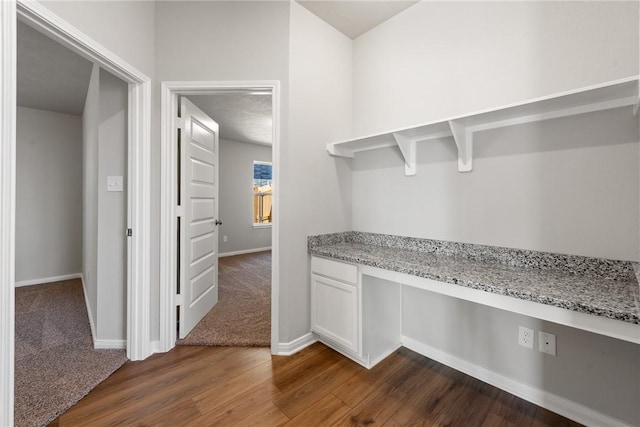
170	91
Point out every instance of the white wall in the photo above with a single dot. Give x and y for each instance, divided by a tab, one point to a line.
124	27
441	59
48	194
90	138
236	197
105	213
112	209
564	186
315	189
568	186
218	41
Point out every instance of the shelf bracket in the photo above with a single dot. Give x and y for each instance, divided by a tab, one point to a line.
335	151
408	149
463	137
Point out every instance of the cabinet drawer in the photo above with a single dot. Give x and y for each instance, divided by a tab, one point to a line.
334	269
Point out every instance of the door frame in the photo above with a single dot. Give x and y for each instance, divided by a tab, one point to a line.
170	92
139	207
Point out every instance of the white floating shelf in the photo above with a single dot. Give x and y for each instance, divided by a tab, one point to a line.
615	94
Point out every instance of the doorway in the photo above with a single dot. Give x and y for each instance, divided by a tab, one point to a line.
171	92
139	127
70	257
241	317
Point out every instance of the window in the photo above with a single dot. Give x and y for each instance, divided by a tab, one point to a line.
262	193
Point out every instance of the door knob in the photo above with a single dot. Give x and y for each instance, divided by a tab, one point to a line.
218	222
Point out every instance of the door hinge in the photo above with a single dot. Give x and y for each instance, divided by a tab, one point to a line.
179	299
179	211
129	232
179	122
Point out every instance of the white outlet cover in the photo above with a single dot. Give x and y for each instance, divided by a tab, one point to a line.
114	183
547	343
525	337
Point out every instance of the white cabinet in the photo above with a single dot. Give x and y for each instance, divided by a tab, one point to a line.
335	313
367	332
335	303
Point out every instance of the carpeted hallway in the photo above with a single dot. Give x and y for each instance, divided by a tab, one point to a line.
242	316
56	364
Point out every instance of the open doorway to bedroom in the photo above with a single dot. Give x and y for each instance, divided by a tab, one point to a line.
242	315
244	213
70	256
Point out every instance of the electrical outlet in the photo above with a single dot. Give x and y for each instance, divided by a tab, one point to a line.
525	337
224	238
547	343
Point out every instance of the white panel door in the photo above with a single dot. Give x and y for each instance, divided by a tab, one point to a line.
198	225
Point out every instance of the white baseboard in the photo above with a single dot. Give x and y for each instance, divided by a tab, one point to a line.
289	348
155	347
550	401
48	279
110	344
246	251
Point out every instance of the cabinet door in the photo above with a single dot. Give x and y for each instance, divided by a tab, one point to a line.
335	311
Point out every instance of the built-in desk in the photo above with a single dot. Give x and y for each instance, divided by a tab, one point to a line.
357	280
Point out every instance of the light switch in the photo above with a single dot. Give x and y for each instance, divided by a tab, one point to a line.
114	183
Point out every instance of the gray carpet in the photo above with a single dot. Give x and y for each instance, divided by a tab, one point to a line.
56	364
242	316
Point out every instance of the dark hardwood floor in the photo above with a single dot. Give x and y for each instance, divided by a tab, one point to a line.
226	386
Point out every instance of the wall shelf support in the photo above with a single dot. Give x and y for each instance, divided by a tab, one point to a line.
408	149
601	97
463	136
336	151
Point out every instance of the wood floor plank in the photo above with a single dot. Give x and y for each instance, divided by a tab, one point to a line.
236	385
298	375
425	406
358	387
127	402
265	415
236	409
376	409
511	411
470	407
324	412
209	386
298	399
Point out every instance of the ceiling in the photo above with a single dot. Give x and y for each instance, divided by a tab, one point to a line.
356	17
50	76
242	116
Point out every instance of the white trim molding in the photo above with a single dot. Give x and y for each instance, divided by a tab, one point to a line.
8	63
243	252
550	401
292	347
109	344
170	92
138	289
43	280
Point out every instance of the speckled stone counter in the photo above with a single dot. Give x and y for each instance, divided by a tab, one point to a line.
595	286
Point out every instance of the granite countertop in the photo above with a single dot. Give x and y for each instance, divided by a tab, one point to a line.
600	287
